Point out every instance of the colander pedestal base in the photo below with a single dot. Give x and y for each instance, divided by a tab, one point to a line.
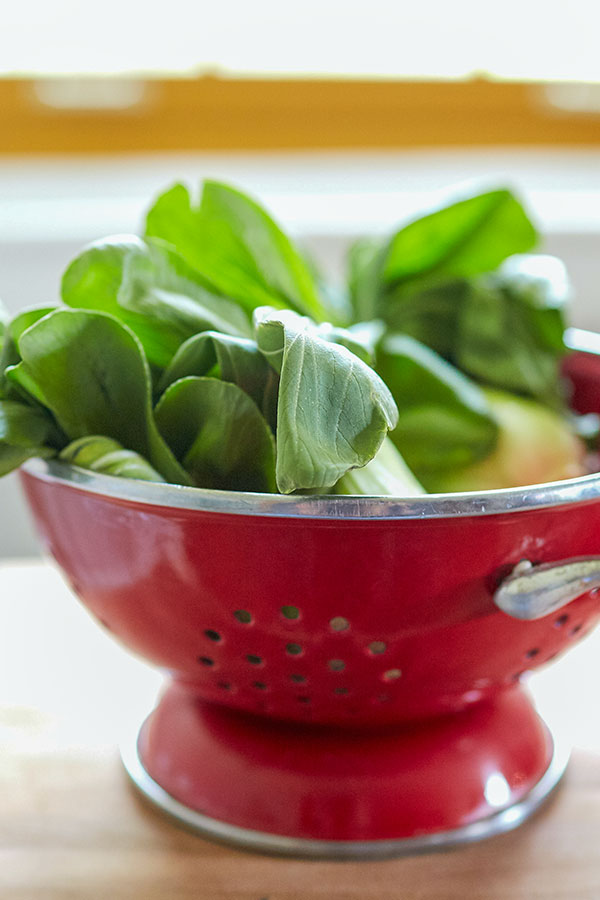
328	791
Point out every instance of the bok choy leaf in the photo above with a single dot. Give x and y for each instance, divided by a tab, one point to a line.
218	435
234	243
333	410
90	371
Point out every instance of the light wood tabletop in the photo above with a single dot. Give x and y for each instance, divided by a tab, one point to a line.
72	827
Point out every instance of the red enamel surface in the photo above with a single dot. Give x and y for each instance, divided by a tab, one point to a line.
160	579
332	784
424	639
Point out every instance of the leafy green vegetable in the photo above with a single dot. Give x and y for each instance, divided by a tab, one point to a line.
218	434
441	309
89	370
23	434
535	444
151	289
235	244
333	411
9	354
457	241
432	316
233	359
102	454
444	418
511	327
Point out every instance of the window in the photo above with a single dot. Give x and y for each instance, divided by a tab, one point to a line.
269	74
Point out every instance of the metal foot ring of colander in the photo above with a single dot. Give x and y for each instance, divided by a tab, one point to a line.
504	820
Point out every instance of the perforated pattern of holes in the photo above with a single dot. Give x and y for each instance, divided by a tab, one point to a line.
337	626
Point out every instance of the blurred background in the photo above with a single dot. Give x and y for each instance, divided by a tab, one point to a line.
344	118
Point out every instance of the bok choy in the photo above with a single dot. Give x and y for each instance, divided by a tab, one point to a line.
207	353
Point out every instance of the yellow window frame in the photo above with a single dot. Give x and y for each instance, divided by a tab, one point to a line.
213	113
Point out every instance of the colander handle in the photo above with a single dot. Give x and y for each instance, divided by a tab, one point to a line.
532	592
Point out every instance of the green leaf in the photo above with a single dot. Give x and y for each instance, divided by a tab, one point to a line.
23	434
90	372
511	327
233	359
235	244
431	316
535	445
9	355
218	434
466	238
102	454
361	339
444	419
333	411
153	291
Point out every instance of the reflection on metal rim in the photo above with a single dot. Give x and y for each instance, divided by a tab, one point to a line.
430	506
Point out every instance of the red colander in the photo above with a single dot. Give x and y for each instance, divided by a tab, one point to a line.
343	674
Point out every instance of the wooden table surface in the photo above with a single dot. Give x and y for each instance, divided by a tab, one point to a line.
72	827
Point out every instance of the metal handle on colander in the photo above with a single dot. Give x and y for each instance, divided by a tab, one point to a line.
532	592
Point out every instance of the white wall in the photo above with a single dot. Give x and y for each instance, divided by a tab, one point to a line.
49	209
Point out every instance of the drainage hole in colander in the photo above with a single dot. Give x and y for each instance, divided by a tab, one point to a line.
298	679
243	616
561	621
290	612
342	691
339	623
224	685
377	647
532	653
254	660
259	685
383	698
303	699
575	630
392	674
293	649
336	665
206	661
212	635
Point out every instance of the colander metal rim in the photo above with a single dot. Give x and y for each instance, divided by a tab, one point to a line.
584	489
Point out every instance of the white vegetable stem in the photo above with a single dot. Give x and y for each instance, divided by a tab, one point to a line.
386	474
